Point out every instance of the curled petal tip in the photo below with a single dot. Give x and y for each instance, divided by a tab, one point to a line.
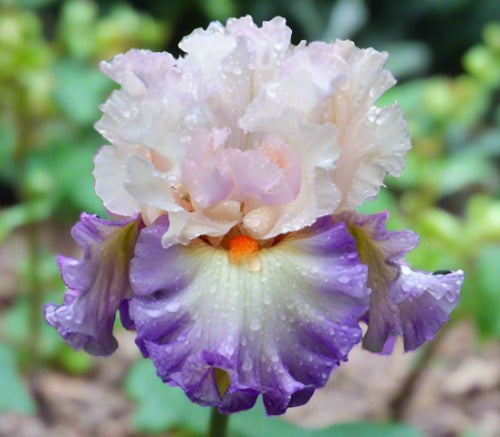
404	302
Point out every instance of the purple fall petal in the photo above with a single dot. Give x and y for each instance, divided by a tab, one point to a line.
404	302
278	331
98	285
425	301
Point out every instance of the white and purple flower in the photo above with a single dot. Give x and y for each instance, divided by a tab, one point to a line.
238	257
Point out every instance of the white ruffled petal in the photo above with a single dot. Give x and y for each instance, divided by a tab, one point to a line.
149	186
213	222
373	141
110	174
318	196
366	78
150	109
370	148
138	70
192	132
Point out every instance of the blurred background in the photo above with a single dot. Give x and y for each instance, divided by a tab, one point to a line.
446	57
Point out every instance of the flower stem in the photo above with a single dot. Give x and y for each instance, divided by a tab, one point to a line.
218	423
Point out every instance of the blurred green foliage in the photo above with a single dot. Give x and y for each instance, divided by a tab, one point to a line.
50	89
449	191
154	415
13	394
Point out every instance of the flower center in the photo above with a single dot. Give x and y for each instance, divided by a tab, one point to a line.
241	247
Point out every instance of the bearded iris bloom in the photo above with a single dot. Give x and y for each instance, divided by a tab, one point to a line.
236	255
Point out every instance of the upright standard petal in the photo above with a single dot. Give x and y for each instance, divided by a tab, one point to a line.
155	95
228	325
204	175
373	140
317	195
110	173
97	285
404	302
235	61
338	84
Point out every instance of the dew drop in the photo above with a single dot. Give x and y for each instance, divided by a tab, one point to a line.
407	286
255	324
343	279
247	364
172	307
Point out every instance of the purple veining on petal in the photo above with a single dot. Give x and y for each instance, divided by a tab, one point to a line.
278	332
98	285
404	302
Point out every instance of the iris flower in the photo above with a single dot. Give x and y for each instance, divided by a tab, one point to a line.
235	253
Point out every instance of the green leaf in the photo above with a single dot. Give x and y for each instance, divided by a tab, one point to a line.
218	9
76	27
432	255
469	102
491	35
63	172
408	58
413	175
78	166
124	28
443	176
73	362
80	90
362	429
255	423
483	63
52	347
409	95
22	214
13	394
346	18
16	323
160	407
488	144
454	173
441	226
483	219
470	433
